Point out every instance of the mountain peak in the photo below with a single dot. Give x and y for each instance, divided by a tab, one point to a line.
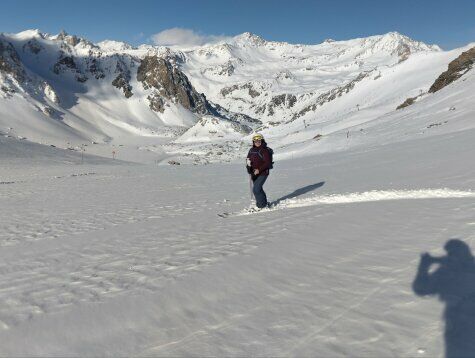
72	40
114	46
396	40
248	38
29	34
395	35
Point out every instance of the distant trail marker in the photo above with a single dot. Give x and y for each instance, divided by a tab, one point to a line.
83	149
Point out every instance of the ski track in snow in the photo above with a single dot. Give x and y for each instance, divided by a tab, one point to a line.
68	239
368	196
39	284
110	238
36	284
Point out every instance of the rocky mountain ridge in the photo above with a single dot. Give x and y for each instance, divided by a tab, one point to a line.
110	90
65	56
456	69
251	76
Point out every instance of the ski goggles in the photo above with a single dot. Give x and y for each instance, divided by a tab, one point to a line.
257	137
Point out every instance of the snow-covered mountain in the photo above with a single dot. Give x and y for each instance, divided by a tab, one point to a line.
276	82
67	91
91	94
103	257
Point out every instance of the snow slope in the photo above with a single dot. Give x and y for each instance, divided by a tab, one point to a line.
449	110
345	107
66	95
248	73
343	126
133	260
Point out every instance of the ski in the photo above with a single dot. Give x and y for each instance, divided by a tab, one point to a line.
249	211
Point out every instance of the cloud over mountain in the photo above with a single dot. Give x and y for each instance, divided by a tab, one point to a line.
184	37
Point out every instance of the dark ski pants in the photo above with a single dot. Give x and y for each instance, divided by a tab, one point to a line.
259	193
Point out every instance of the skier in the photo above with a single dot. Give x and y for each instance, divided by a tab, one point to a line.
259	161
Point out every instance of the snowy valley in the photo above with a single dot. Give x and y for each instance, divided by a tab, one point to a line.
107	250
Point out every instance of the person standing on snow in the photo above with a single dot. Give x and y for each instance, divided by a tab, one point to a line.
259	161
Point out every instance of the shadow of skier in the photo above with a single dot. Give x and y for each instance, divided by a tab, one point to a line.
299	192
454	282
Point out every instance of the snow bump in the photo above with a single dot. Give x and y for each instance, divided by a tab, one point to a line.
369	196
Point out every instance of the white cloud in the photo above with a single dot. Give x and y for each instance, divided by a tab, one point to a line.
184	37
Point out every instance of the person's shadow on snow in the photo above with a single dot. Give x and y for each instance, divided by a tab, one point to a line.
299	192
453	280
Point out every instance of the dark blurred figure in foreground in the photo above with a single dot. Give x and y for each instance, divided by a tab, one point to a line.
453	280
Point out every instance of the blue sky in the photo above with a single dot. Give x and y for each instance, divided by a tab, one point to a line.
449	24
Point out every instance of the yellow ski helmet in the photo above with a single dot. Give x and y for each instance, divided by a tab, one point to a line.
257	136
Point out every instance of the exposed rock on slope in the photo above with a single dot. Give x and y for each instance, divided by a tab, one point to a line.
71	40
95	69
283	100
122	81
457	68
33	46
249	86
66	63
170	84
10	61
407	103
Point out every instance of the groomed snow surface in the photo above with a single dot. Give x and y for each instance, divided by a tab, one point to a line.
108	258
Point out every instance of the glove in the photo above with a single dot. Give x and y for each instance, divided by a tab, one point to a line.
426	259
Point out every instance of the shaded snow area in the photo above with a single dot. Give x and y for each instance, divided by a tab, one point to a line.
107	258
